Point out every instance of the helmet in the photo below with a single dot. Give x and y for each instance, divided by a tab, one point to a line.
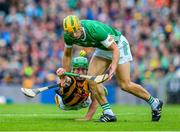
71	23
80	62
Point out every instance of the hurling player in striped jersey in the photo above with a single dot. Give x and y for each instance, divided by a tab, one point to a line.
74	93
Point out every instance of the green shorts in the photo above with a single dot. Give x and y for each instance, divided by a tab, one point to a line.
124	48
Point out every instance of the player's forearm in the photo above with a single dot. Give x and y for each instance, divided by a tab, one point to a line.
66	60
66	82
92	109
115	56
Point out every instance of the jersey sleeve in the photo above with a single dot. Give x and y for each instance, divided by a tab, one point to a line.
108	41
103	36
68	43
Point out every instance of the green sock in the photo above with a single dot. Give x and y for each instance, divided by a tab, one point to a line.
107	109
105	106
153	102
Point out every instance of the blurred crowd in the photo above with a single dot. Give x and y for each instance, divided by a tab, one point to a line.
31	36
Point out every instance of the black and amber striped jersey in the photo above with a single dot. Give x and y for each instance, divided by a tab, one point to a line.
74	94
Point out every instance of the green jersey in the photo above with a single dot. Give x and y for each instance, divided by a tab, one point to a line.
96	34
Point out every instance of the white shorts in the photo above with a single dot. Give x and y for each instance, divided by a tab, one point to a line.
125	52
61	105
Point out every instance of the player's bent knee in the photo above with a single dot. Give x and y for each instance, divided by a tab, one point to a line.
125	86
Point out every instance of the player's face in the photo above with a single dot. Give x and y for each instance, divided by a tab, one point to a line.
77	34
80	71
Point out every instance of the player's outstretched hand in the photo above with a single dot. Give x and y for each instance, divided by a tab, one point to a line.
82	119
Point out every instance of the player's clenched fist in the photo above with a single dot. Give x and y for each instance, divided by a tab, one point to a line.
60	71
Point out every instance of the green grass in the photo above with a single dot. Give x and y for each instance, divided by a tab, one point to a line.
50	118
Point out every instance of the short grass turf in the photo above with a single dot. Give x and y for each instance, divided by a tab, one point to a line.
50	118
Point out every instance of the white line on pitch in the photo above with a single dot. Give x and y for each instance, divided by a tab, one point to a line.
61	114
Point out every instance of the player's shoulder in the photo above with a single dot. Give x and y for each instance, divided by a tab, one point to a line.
71	80
91	23
94	27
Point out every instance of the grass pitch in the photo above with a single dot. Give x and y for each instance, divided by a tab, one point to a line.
50	118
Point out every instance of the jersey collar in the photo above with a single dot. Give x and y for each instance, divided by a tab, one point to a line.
84	34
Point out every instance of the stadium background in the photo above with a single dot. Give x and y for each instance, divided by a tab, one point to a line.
31	45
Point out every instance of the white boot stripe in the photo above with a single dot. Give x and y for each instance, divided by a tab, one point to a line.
103	119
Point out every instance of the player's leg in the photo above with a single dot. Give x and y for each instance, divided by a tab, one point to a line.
123	78
59	102
96	67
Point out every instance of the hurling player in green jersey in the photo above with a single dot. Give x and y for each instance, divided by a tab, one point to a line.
112	53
